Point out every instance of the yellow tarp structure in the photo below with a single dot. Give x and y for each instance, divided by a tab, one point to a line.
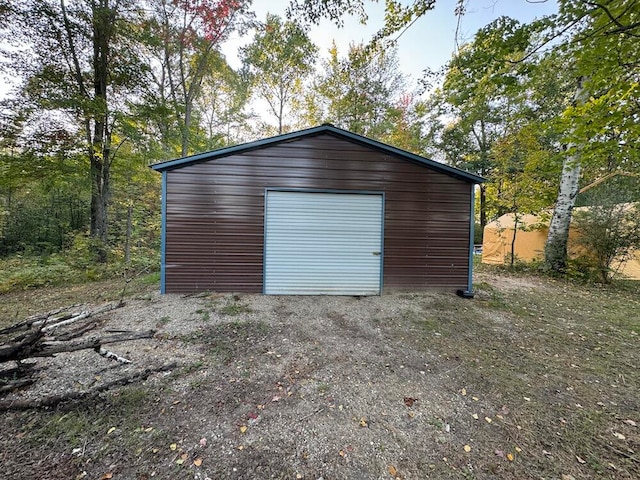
529	244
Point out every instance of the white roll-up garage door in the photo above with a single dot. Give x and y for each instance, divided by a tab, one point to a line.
323	243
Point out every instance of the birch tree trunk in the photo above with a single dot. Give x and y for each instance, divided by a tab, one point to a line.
555	249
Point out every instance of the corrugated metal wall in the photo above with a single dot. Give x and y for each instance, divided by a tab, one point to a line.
323	243
215	214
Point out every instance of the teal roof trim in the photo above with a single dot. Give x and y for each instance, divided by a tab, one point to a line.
309	132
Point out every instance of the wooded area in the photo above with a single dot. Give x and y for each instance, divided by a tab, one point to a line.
106	87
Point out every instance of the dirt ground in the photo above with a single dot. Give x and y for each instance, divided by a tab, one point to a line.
533	378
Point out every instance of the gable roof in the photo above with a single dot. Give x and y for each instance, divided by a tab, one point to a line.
310	132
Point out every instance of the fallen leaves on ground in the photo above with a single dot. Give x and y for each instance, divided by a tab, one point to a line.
409	401
393	471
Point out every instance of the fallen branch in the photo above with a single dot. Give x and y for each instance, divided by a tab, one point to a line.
39	317
315	412
81	330
37	345
51	348
59	331
10	385
619	452
59	322
111	356
52	400
55	318
21	348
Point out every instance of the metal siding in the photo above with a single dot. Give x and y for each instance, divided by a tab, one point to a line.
322	243
472	224
163	233
214	217
323	131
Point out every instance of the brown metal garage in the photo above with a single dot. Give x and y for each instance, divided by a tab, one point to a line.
324	195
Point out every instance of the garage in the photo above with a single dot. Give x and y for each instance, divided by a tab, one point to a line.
323	243
320	211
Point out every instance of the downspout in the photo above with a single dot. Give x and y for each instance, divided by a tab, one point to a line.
163	233
468	293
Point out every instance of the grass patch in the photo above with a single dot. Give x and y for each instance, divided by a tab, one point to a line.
560	360
21	272
19	303
27	273
205	314
223	342
234	308
82	423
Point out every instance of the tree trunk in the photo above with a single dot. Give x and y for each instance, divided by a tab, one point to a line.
185	129
555	249
99	153
127	244
483	206
281	102
513	240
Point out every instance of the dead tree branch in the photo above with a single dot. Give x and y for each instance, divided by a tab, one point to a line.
53	400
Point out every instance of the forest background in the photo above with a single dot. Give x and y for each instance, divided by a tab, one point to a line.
103	88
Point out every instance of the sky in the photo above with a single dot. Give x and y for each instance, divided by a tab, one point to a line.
428	43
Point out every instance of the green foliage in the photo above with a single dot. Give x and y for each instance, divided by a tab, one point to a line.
356	92
609	232
525	172
366	93
624	188
182	42
22	273
477	234
278	60
75	265
492	102
221	106
605	50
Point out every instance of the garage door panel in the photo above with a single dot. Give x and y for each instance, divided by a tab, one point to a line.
323	243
